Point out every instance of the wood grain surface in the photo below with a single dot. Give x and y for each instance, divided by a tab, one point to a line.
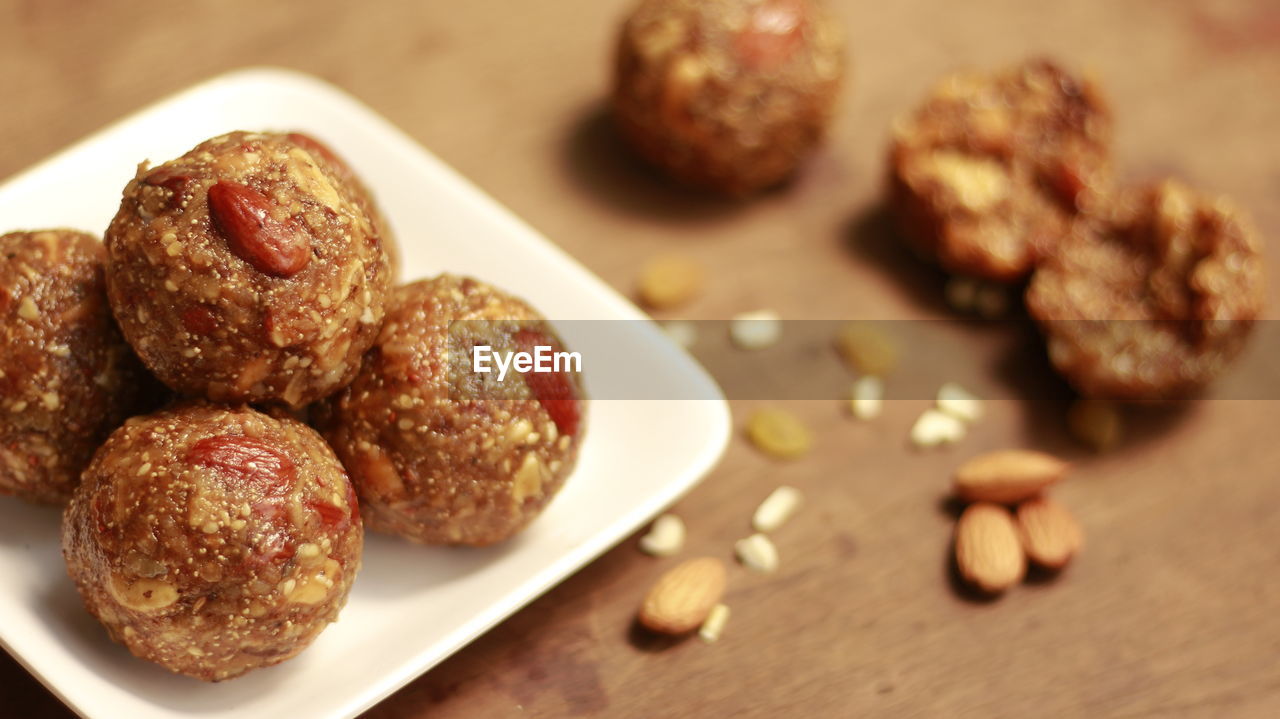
1173	609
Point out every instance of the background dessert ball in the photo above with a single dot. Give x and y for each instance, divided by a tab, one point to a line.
67	377
214	540
729	95
987	173
440	454
249	269
1154	298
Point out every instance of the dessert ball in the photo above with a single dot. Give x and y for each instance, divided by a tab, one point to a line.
441	454
988	172
213	540
1152	299
248	270
729	95
67	377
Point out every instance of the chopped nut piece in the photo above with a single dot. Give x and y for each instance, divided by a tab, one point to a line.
867	400
776	509
670	281
27	309
936	427
665	537
756	330
866	349
1096	422
959	402
714	626
757	553
779	433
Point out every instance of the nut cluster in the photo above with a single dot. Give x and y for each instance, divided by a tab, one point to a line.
992	545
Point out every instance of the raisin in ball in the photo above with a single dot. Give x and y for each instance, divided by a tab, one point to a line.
1152	299
441	455
214	540
67	377
248	270
729	95
988	172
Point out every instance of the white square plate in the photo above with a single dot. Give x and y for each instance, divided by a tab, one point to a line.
411	606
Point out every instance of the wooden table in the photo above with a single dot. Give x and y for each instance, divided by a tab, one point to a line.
1173	607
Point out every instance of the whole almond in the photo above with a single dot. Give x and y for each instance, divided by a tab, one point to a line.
1007	476
988	551
1051	536
243	216
684	596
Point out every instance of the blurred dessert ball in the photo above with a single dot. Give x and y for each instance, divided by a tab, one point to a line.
727	95
988	172
1152	298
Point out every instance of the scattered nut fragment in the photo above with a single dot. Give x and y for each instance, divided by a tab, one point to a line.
779	433
757	553
27	309
714	626
936	427
1096	422
665	537
989	552
755	330
776	509
669	281
866	349
682	332
959	402
1050	535
867	397
1007	476
683	597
